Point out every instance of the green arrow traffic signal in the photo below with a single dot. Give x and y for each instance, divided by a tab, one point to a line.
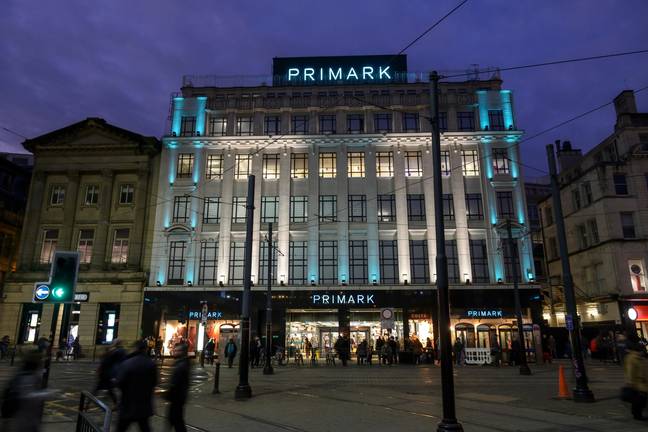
59	292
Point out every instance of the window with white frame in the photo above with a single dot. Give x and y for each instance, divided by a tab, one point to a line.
413	164
211	210
627	225
505	204
214	169
328	208
415	207
383	123
84	245
298	209
474	206
208	264
269	209
445	163
188	125
299	124
119	253
448	206
175	273
479	261
410	122
263	261
271	166
419	264
50	242
470	163
453	261
243	166
238	209
356	164
57	197
385	164
500	161
496	120
126	192
91	195
181	206
185	165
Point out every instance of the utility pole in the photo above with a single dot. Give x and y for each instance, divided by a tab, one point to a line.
524	367
243	390
582	393
449	421
267	368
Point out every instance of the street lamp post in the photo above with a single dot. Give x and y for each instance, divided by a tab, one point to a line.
267	368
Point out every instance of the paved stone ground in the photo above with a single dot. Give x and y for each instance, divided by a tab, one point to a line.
373	398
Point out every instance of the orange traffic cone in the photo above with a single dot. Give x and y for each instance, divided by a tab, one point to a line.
563	390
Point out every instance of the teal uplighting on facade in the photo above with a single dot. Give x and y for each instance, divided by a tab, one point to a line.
507	109
178	106
172	162
201	104
197	162
482	101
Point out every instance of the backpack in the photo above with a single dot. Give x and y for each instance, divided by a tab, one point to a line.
10	398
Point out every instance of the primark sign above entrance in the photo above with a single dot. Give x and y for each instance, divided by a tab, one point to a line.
301	71
365	298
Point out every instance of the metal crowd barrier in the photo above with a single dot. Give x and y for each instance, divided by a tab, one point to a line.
94	415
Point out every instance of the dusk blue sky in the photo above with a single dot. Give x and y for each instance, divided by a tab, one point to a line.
63	61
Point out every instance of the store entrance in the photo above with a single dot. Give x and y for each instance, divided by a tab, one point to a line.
328	337
358	334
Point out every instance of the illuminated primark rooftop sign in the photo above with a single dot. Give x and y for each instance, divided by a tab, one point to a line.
378	69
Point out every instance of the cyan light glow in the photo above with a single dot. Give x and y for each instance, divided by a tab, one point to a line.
172	161
201	103
507	108
178	106
482	101
197	162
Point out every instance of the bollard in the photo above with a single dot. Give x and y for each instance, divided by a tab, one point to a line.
216	377
13	355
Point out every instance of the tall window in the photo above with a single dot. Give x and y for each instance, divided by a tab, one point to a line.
508	262
358	264
126	192
410	122
272	125
238	209
415	207
263	262
50	241
237	259
271	166
587	193
576	199
298	262
208	265
627	225
217	126
583	239
445	163
185	165
214	166
466	121
327	124
86	240
496	120
298	209
299	124
474	207
448	207
356	164
419	265
386	208
243	166
328	266
299	165
119	253
443	121
58	195
385	164
453	261
413	164
328	208
388	252
176	269
355	123
548	213
479	261
593	228
620	184
470	163
244	126
269	209
181	209
91	195
211	210
357	208
505	205
383	123
500	161
327	165
188	125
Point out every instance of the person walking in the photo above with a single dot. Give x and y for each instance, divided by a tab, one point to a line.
342	347
635	372
458	351
361	352
210	346
379	345
255	351
76	349
4	346
137	378
386	354
107	371
308	347
179	389
230	352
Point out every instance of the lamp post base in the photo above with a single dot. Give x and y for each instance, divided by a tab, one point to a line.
243	392
583	395
268	370
447	425
524	370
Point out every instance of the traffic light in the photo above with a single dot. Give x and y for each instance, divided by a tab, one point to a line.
63	278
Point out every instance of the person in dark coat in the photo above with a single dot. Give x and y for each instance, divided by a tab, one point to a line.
137	379
342	348
108	369
179	389
379	344
230	352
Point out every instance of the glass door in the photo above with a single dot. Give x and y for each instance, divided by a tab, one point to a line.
358	334
328	337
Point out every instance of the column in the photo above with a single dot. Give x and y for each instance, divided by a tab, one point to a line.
176	122
224	237
69	211
257	170
495	259
140	216
201	103
342	214
372	214
283	236
461	221
313	211
428	190
101	242
30	237
402	222
88	320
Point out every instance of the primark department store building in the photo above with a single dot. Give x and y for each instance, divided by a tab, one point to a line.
340	147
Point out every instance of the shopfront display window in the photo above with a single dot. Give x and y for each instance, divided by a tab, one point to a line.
30	323
465	332
196	335
108	325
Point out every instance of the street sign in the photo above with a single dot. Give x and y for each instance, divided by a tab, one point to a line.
41	291
387	318
569	322
81	297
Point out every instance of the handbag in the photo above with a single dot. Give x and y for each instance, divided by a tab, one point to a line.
628	394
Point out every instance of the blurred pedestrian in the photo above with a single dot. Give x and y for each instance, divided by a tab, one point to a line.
108	369
179	389
230	352
136	379
209	351
635	371
343	347
4	346
76	348
458	351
